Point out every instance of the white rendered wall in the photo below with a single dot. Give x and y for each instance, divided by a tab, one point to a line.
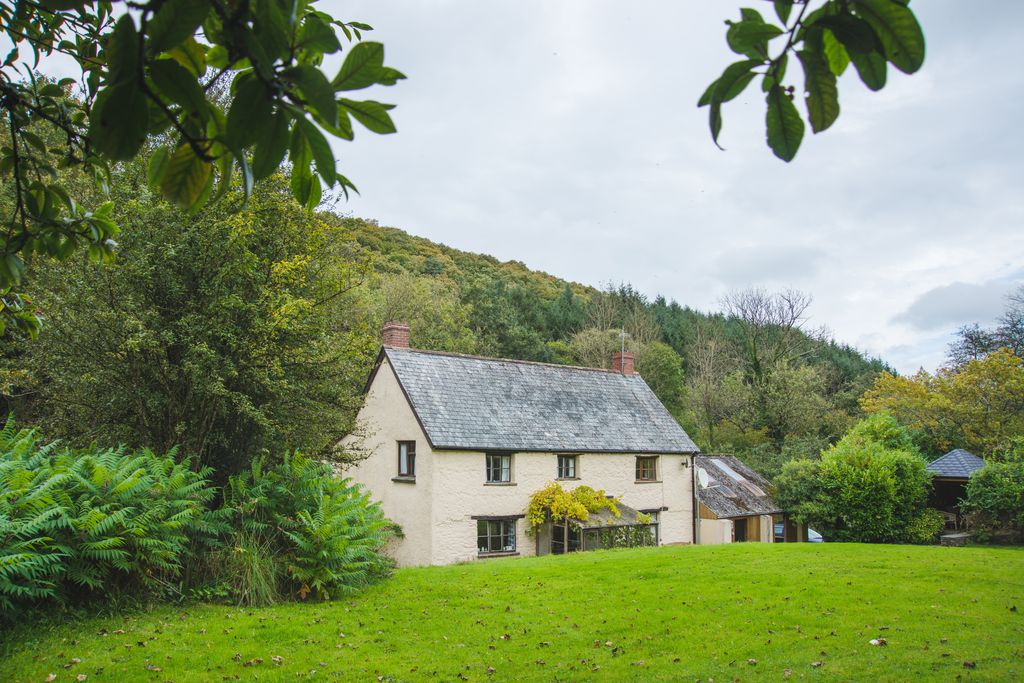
462	493
715	531
384	420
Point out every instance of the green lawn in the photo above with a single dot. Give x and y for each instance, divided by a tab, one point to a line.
742	612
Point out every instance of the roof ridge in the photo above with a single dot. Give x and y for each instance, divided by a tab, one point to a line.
453	354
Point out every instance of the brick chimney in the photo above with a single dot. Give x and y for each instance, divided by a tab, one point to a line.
395	334
623	362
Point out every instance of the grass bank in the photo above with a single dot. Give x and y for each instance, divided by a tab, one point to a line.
742	612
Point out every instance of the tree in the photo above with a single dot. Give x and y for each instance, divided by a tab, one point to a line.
437	318
860	490
825	40
979	406
662	370
772	340
227	332
974	341
153	74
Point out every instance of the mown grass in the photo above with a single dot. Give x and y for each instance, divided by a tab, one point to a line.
742	612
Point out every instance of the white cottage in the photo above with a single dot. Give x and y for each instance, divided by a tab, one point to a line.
457	444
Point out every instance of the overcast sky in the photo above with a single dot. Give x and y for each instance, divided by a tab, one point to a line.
564	134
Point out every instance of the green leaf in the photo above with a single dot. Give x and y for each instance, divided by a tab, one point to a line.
388	76
373	115
123	52
175	21
734	79
705	99
191	55
751	38
749	14
782	9
317	36
820	85
156	167
250	113
271	28
270	150
785	128
118	122
247	177
715	122
305	187
862	47
178	84
344	128
185	177
361	68
871	68
323	157
896	26
225	167
315	90
835	53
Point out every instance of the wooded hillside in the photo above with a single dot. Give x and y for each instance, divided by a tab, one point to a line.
753	379
249	327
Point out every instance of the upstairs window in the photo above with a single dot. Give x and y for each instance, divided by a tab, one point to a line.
647	468
407	459
567	467
499	468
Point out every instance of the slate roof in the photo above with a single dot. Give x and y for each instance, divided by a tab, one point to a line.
474	403
957	464
734	490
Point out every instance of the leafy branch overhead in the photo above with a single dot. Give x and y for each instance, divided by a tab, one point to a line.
217	88
825	40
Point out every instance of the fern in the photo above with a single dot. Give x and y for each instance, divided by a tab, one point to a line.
75	523
325	533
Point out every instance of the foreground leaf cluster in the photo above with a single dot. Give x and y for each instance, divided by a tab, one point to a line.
225	92
825	38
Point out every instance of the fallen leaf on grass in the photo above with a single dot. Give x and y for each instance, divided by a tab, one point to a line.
81	677
51	677
881	642
276	659
752	662
816	664
970	665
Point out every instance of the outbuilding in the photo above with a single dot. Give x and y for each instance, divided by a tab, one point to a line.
735	505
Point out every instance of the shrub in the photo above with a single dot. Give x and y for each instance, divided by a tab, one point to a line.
324	535
926	527
860	490
556	504
995	500
73	522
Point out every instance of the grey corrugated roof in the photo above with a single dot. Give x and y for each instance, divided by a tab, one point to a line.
957	464
474	403
749	493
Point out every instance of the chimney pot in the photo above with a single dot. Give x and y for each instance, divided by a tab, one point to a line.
395	334
623	362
